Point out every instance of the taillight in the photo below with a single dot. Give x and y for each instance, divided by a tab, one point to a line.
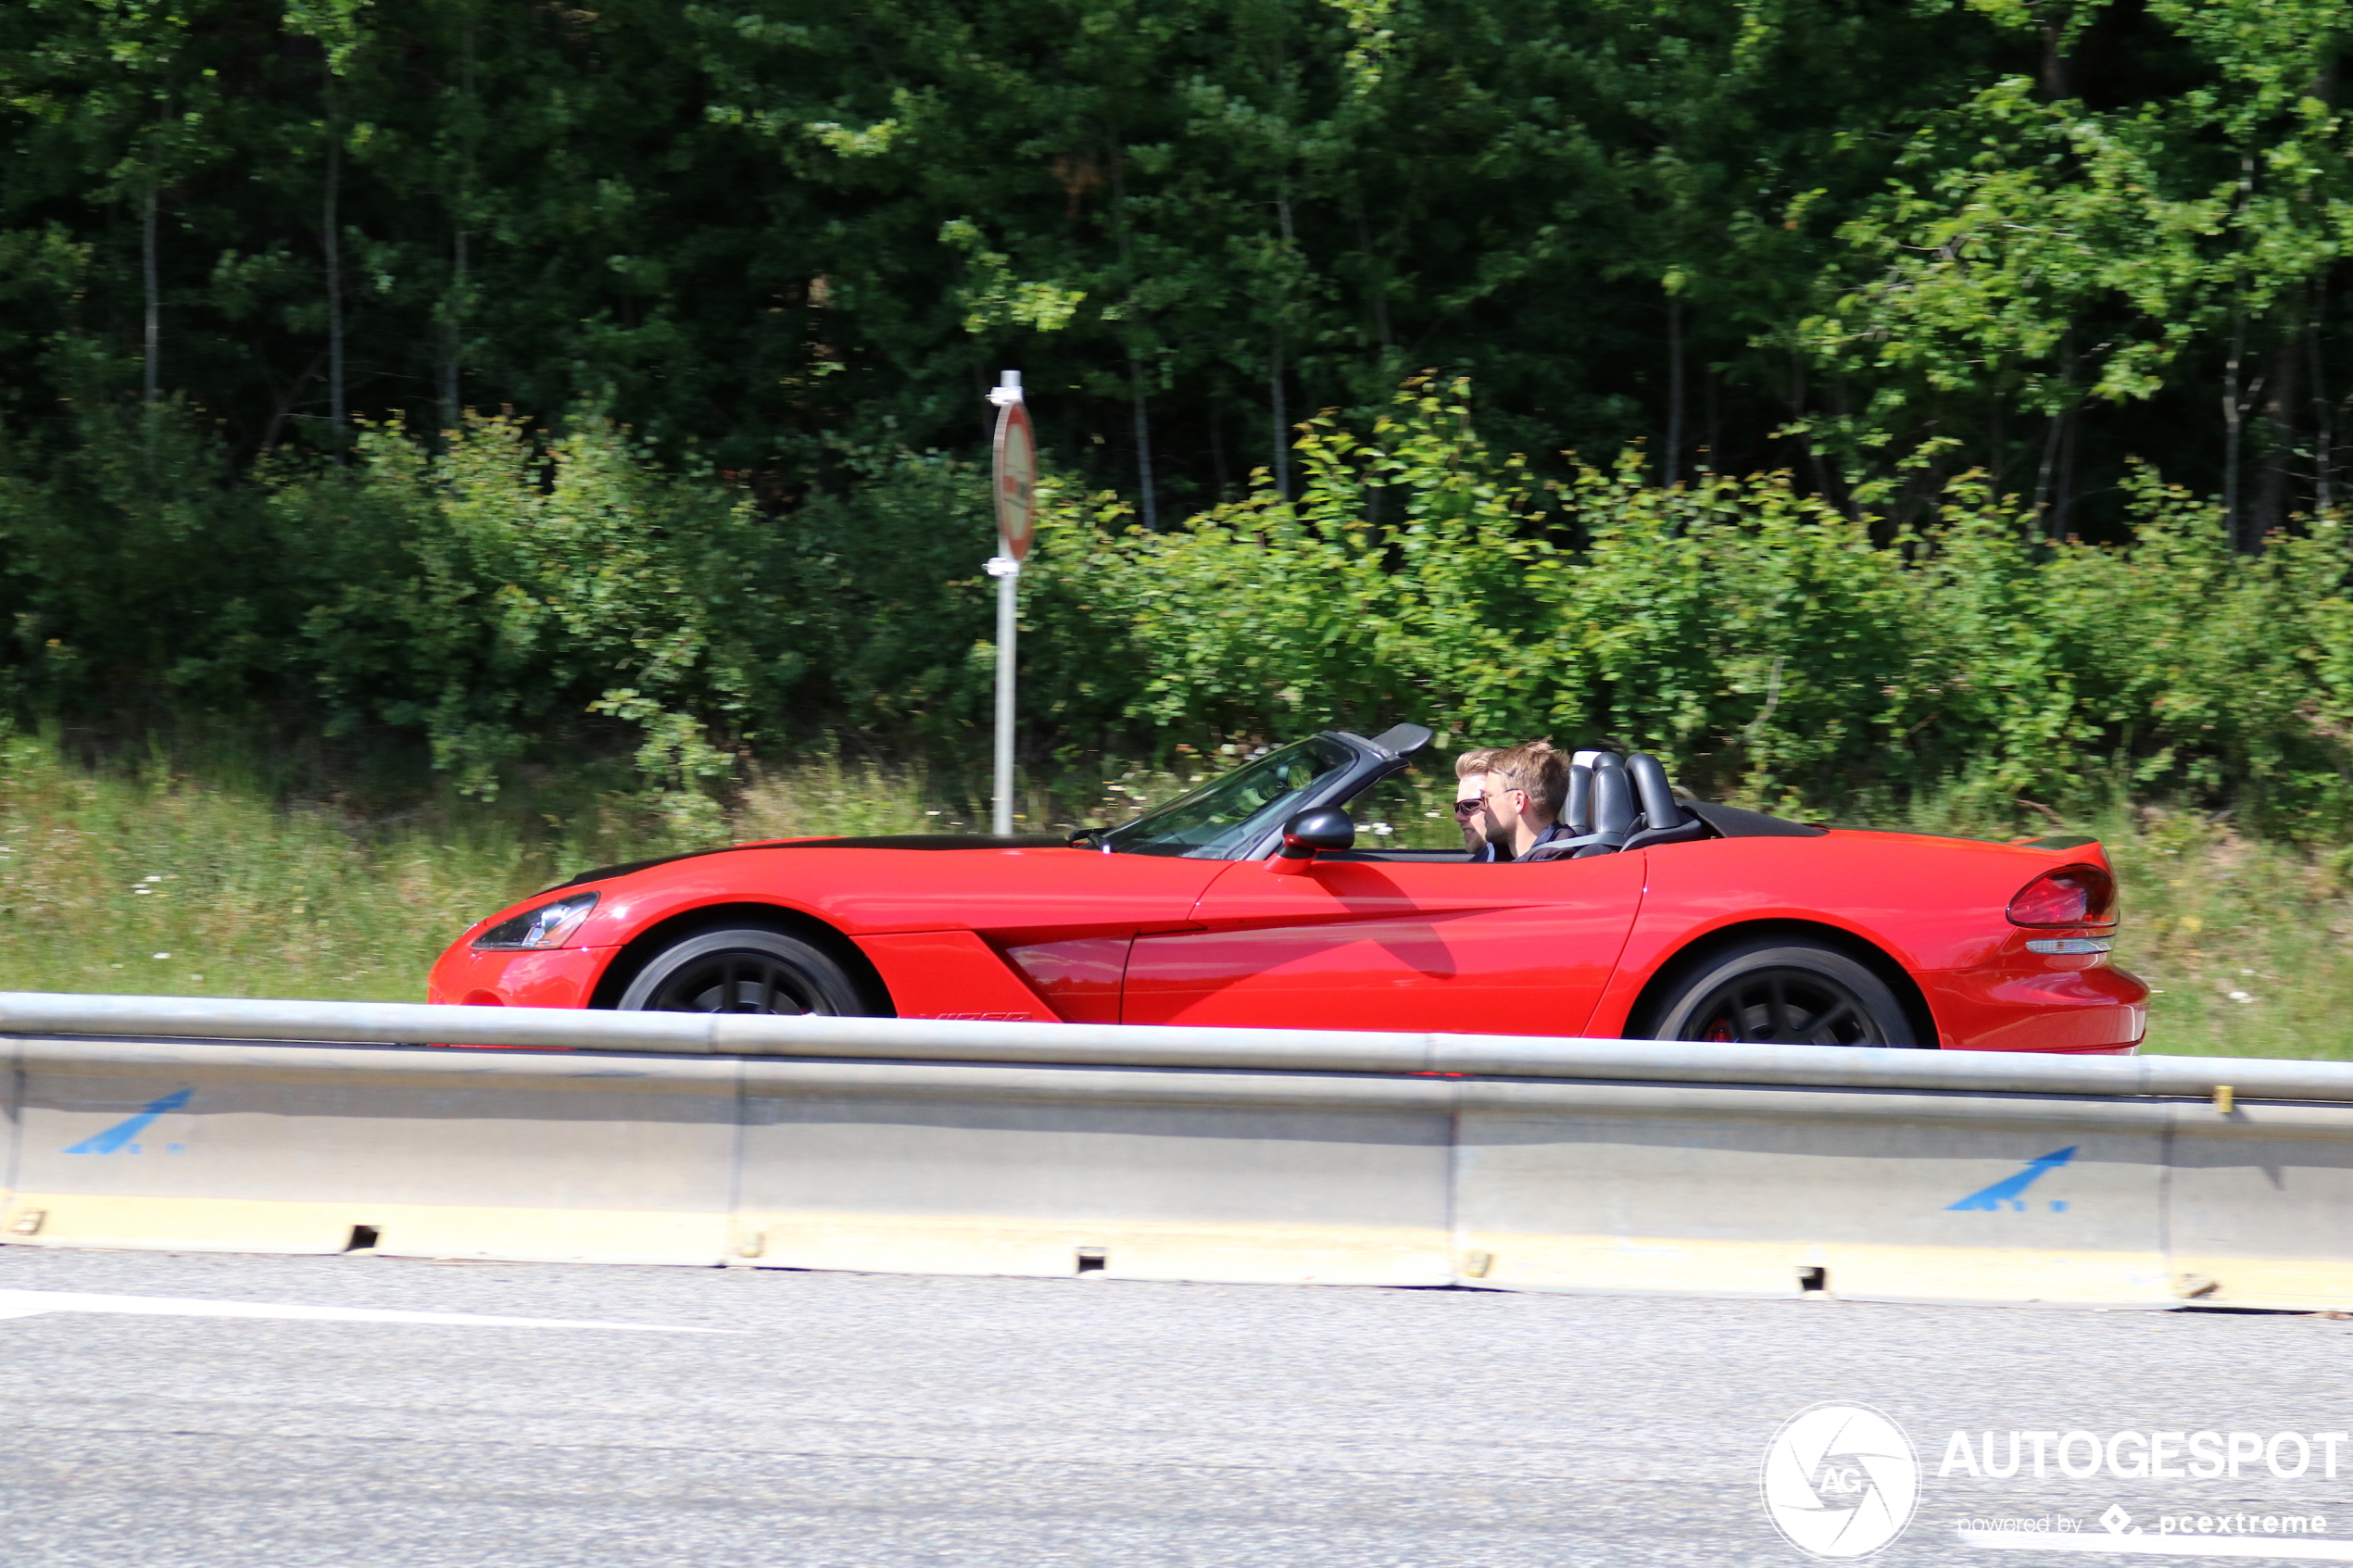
2071	895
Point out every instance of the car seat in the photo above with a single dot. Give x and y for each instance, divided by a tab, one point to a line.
1663	819
1629	805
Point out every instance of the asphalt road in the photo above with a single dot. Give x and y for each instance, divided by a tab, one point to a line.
857	1419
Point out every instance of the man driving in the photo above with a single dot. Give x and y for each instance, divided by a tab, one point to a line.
1470	806
1521	796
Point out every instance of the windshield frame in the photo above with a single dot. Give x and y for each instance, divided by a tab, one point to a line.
1250	835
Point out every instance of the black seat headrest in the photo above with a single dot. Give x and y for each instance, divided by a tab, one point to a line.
1578	814
1613	805
1651	792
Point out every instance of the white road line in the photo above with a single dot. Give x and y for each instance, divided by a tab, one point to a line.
2275	1547
33	1303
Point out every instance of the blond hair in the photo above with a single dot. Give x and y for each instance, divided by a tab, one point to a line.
1476	762
1535	767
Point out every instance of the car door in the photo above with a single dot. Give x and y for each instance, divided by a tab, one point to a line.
1372	944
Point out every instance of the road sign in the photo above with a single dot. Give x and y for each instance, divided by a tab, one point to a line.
1015	471
1014	481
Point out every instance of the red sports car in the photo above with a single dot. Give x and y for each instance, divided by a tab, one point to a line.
1254	901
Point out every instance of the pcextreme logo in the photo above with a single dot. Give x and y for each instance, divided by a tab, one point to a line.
1840	1481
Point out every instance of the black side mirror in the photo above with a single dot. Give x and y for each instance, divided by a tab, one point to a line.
1325	828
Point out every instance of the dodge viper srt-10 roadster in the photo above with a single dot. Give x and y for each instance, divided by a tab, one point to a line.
1284	893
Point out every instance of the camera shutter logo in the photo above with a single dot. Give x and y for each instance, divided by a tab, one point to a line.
1840	1481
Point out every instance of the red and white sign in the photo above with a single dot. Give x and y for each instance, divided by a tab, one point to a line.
1016	479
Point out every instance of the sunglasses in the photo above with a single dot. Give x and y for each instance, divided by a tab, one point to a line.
1469	808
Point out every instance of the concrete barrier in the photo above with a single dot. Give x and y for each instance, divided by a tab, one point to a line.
938	1147
1864	1195
1151	1173
290	1148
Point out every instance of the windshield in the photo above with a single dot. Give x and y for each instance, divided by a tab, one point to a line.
1223	818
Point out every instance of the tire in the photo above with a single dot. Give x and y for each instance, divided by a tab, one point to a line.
1784	992
766	972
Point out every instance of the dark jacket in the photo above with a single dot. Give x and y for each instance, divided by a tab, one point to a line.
1555	843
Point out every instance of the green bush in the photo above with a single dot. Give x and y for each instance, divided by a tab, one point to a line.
502	600
498	598
1773	648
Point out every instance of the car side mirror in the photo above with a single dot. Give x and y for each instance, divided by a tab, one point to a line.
1322	830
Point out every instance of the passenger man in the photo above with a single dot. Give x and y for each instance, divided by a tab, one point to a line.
1470	806
1522	794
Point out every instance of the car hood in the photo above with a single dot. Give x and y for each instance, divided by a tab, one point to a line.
878	841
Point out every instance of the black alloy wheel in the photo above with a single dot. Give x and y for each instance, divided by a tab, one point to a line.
745	969
1784	993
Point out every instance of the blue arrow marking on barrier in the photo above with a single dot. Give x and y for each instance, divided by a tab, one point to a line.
112	1141
2008	1188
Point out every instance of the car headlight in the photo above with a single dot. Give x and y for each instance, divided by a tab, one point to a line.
549	926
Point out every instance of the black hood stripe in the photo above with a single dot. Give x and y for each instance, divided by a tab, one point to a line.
880	841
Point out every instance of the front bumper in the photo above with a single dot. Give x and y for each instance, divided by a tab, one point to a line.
557	977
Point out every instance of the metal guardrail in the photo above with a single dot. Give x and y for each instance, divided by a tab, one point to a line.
933	1145
903	1039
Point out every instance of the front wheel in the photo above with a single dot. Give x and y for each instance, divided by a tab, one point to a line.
745	969
1784	993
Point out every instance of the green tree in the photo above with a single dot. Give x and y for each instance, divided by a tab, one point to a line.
2036	253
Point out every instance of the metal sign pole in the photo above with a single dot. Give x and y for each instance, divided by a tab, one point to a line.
1008	575
1014	476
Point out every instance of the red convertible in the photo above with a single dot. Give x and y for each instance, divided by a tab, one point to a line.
1286	895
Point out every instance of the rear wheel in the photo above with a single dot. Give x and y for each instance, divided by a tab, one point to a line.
1784	993
744	970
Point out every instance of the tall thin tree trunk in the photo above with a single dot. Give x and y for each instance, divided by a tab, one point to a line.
1852	507
1275	373
2233	519
2063	512
1144	450
2054	441
1282	421
1998	441
151	377
453	338
2054	72
2054	445
1149	501
2323	420
1379	291
1714	463
332	242
453	391
1797	411
2046	470
2271	499
1673	388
